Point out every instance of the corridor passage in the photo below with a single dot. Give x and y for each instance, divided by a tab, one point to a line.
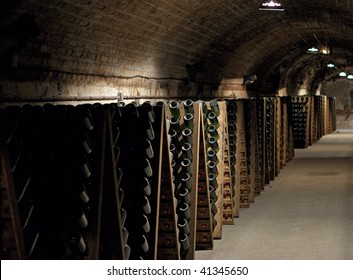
305	214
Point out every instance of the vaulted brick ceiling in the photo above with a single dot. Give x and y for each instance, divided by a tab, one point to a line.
158	38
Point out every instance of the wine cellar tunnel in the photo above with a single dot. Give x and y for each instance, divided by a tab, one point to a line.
161	129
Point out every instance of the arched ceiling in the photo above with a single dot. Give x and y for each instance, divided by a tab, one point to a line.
159	38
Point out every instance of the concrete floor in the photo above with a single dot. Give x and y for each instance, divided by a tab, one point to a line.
306	213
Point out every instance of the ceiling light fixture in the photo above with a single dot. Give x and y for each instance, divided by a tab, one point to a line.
313	50
342	74
350	77
330	65
271	6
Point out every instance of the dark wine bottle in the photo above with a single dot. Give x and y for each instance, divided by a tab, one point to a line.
147	187
125	234
215	107
83	194
132	110
145	224
187	135
174	109
212	130
147	168
189	121
82	218
214	209
146	206
212	168
86	144
212	179
144	244
213	195
149	149
76	243
183	195
186	181
188	106
174	124
85	168
212	156
148	108
212	118
187	151
183	210
184	243
212	143
183	226
127	251
88	120
150	131
186	165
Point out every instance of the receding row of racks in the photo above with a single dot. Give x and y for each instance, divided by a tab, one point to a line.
156	180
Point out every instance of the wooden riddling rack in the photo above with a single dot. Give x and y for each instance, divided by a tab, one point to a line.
311	117
85	181
284	150
300	106
233	140
188	131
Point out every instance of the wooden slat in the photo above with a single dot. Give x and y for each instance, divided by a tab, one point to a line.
12	239
204	235
167	223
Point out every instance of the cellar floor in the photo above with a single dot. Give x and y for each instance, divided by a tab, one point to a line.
305	214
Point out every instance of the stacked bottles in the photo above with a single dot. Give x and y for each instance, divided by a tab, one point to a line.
232	139
138	163
53	176
261	139
204	229
113	231
84	130
167	228
227	190
241	164
300	109
181	133
249	197
13	133
270	136
210	114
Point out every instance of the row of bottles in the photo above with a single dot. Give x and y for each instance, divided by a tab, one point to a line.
137	169
311	118
300	112
211	113
141	181
181	131
43	144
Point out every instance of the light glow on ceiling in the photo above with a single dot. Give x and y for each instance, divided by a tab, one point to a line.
325	50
